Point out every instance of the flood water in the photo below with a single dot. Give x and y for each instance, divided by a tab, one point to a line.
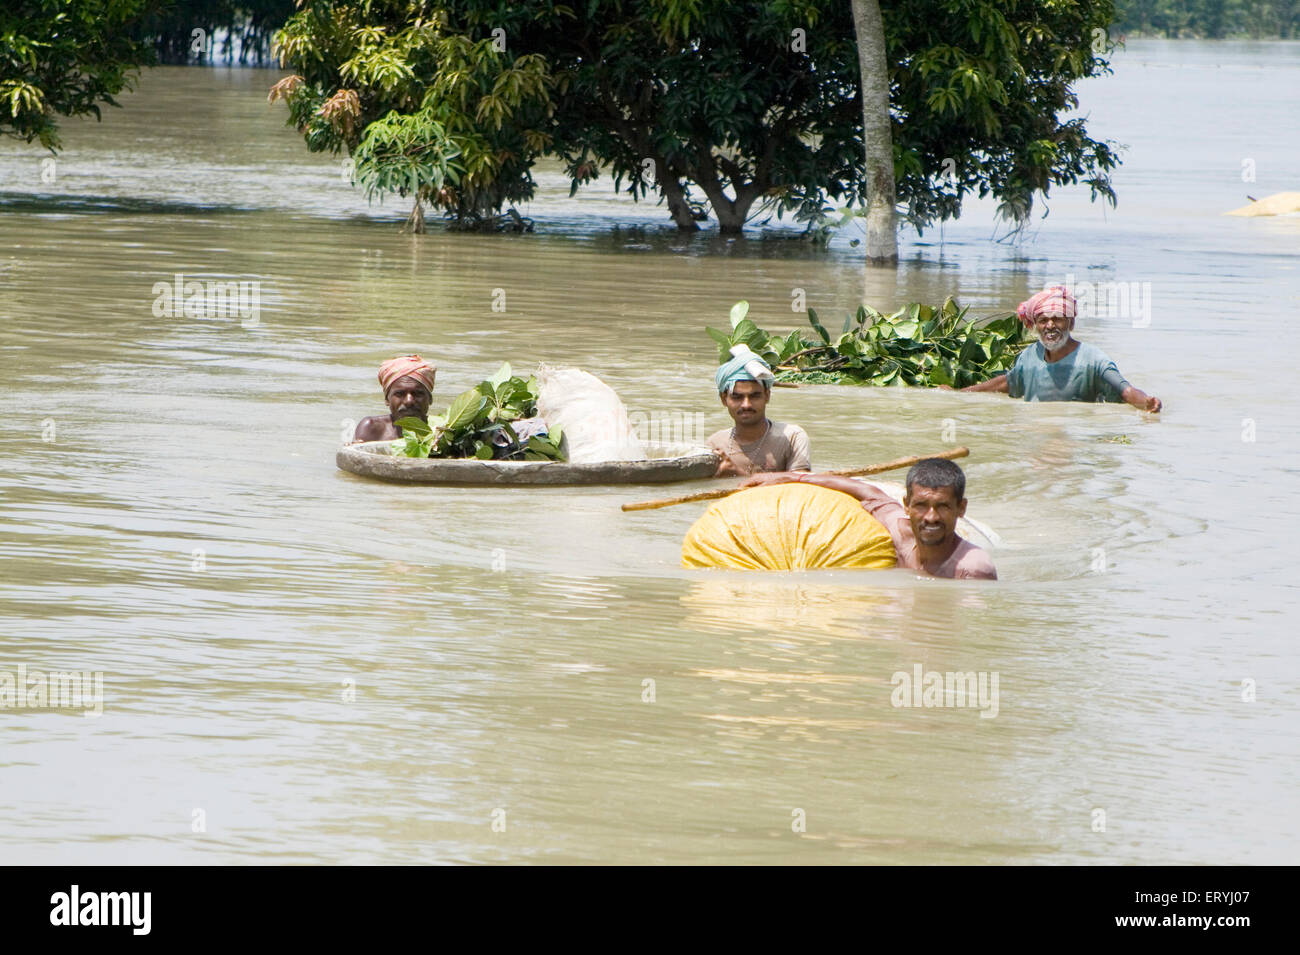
309	667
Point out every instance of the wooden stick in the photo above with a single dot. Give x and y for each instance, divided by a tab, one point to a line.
948	455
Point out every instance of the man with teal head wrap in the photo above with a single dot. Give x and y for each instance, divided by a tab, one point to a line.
755	444
744	366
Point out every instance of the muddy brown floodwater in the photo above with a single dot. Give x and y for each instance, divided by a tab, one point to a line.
310	667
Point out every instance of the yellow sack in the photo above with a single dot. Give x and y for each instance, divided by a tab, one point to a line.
787	527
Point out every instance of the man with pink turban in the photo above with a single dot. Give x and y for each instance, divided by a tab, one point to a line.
1058	367
408	389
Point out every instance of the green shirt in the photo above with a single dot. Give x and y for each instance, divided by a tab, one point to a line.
1086	374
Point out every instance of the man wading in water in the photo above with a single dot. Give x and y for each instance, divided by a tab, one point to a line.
924	526
1059	367
408	389
755	444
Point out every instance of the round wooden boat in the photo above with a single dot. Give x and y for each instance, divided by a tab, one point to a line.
668	462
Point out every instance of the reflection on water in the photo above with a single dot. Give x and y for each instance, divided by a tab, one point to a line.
757	605
335	670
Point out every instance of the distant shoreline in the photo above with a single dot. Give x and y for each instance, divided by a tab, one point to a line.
1123	35
1120	40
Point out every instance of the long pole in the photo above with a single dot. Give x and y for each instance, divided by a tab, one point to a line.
948	455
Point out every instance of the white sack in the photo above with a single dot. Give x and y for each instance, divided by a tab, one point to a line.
594	421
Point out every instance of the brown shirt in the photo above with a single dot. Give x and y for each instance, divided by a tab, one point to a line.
783	448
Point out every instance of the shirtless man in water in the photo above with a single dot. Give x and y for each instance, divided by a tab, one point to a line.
924	526
408	389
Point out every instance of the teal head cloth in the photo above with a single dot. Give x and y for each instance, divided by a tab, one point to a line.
744	366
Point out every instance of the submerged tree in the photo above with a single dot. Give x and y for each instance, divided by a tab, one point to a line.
979	94
757	104
408	155
425	111
753	102
203	31
65	59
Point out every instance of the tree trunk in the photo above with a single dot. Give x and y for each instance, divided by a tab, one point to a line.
671	187
877	138
731	213
732	216
415	221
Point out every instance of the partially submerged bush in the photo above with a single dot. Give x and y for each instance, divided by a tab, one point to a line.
478	425
921	345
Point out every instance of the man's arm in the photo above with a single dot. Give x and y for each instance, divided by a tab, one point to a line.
998	384
718	444
1118	384
1140	399
993	384
726	467
865	493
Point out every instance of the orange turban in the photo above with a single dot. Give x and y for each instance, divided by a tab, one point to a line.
1056	300
408	365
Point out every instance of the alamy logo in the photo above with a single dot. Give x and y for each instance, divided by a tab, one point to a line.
669	427
102	908
1130	300
38	690
932	688
194	299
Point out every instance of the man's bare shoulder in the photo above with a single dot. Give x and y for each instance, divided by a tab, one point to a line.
374	428
974	563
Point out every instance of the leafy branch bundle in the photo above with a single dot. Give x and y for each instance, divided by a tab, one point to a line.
920	345
477	425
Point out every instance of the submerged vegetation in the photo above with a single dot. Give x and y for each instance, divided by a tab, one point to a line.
209	31
478	425
733	110
920	345
65	59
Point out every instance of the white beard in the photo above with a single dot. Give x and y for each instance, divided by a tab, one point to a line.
1058	345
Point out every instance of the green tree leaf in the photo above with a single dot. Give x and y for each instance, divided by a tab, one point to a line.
465	409
918	345
417	426
818	327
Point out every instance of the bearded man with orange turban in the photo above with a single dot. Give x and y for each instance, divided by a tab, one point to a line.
408	389
1058	367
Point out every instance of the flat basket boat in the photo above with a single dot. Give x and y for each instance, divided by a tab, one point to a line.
666	463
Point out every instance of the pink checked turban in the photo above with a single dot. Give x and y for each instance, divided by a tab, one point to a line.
412	365
1055	301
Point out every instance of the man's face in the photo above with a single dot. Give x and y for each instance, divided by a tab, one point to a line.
408	398
1053	331
746	402
933	512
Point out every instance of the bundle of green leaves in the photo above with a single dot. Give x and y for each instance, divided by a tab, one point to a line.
921	345
477	425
